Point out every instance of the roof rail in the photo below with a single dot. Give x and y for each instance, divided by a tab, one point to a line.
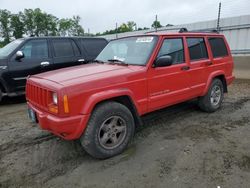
184	30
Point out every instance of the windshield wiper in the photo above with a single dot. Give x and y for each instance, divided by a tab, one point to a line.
118	61
98	61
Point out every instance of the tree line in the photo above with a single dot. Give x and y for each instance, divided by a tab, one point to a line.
35	22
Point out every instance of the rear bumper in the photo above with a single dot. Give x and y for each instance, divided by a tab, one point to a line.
69	128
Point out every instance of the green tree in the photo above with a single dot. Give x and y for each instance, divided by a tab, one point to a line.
76	29
17	26
28	20
131	25
156	24
70	27
5	30
65	26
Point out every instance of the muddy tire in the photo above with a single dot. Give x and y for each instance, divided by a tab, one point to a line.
109	130
213	99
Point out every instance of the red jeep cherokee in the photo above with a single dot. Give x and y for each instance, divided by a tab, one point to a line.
101	102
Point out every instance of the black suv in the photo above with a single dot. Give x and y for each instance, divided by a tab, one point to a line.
29	56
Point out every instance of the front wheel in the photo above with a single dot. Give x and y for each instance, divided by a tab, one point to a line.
1	95
109	130
213	99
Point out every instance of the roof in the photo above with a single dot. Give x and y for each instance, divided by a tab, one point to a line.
59	37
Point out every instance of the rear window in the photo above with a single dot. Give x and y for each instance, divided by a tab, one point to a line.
197	48
218	47
93	46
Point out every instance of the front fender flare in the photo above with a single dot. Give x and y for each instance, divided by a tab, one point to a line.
106	95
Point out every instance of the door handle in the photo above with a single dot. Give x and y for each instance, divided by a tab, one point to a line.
81	60
209	63
185	68
45	63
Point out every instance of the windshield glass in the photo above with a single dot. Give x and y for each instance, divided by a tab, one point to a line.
6	50
131	50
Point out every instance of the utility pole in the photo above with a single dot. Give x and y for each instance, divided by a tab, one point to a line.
156	23
116	30
218	20
88	31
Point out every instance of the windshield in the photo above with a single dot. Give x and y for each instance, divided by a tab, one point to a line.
6	50
131	50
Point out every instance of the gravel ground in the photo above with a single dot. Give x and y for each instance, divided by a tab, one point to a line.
178	146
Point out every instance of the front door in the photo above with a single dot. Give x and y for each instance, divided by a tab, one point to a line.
36	60
169	85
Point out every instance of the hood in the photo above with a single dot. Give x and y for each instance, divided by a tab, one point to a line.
86	73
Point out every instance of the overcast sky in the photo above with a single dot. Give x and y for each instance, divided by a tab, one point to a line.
99	16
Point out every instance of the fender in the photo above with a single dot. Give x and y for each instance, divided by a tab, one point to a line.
105	95
210	79
4	85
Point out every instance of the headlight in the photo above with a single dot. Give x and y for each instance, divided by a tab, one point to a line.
54	98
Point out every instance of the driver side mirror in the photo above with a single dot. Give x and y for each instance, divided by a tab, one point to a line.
19	55
163	61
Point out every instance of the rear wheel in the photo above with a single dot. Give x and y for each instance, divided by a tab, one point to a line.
109	130
213	99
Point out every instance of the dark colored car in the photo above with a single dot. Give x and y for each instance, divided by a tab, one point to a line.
29	56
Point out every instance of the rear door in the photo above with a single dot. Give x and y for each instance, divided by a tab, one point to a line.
169	85
36	60
66	53
199	61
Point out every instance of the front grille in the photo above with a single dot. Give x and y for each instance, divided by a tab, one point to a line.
37	96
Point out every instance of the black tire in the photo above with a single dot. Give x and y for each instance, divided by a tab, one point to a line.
100	124
1	95
206	102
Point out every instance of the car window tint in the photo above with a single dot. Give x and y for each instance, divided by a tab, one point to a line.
93	46
76	49
197	48
218	47
173	48
35	49
63	48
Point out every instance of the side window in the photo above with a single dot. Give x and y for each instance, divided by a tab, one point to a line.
93	46
76	49
218	47
197	48
35	49
173	48
63	48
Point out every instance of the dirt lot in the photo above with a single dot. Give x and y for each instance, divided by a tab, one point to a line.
176	147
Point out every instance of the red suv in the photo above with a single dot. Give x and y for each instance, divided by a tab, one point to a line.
100	103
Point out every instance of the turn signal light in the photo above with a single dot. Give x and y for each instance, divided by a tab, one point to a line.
66	104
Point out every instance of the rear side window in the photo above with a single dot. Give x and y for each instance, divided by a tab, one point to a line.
173	48
197	48
35	49
93	46
218	47
63	47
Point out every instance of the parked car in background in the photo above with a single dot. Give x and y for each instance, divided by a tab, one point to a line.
101	103
29	56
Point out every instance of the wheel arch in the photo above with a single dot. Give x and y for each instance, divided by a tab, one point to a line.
220	75
124	97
